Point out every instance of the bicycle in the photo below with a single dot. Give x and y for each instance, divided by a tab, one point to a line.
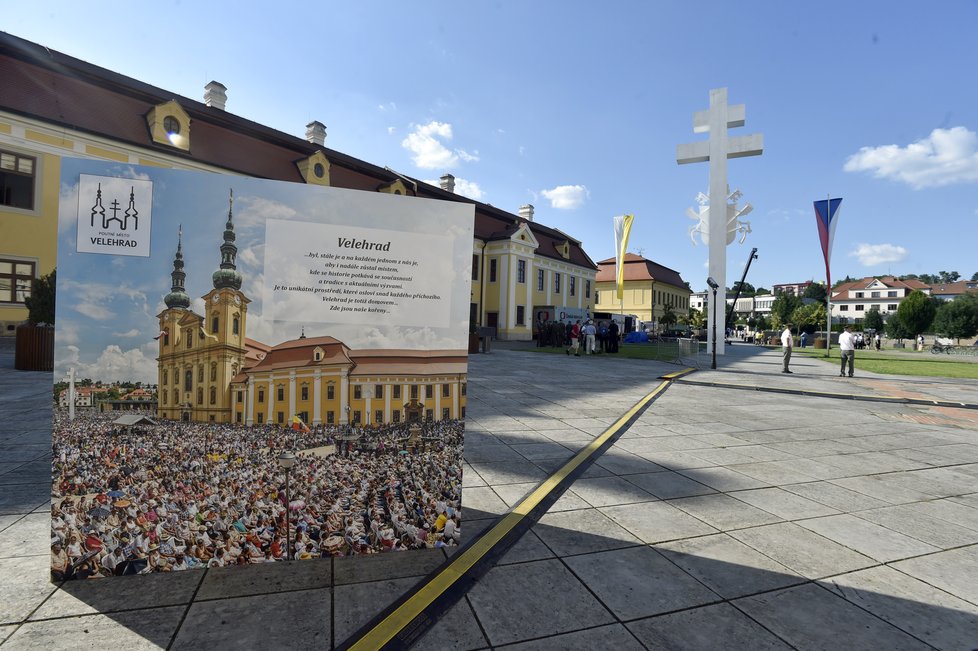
939	348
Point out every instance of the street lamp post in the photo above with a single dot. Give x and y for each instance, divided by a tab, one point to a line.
714	286
285	461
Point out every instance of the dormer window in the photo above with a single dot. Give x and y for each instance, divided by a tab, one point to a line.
317	354
314	169
169	125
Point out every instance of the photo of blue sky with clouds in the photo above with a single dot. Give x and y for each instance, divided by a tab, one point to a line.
577	108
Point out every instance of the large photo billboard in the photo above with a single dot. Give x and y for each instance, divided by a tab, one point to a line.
253	371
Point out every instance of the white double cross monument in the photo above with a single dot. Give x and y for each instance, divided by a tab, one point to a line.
716	120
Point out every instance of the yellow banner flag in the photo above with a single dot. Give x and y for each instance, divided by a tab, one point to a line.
623	227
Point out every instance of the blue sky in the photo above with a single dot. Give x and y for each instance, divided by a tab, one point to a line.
577	108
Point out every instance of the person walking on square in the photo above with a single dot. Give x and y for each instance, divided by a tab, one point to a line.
787	341
589	331
613	336
847	346
876	340
575	338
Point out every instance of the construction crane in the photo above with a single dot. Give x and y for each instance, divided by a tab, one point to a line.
740	286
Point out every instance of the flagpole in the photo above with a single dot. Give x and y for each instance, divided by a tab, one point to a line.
828	290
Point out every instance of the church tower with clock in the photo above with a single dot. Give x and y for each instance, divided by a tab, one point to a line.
200	355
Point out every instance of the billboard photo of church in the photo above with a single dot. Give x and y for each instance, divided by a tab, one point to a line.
305	349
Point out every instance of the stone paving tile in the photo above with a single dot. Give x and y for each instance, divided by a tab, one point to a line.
29	535
718	626
655	522
776	473
803	551
867	538
356	604
528	548
582	532
487	453
882	488
549	450
668	484
912	520
953	571
509	472
416	563
515	602
724	512
675	460
961	510
723	479
120	593
925	612
302	621
8	520
26	583
137	630
782	503
835	496
799	616
223	582
727	566
608	491
620	579
484	499
621	463
614	636
470	477
456	630
5	632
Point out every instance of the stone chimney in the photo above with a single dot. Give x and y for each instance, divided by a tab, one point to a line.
215	95
316	133
526	212
447	182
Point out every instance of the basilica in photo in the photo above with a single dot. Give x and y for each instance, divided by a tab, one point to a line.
210	371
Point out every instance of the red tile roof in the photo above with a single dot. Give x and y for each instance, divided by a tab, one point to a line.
639	268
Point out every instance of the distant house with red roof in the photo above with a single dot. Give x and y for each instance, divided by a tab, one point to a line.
851	301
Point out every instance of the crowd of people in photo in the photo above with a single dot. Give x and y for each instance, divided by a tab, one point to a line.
179	495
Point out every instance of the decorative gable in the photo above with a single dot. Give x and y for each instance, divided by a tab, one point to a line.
314	169
395	187
169	125
524	235
563	249
318	354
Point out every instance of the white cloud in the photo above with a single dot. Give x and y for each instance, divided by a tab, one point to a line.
522	150
946	157
95	311
428	144
463	187
469	189
391	130
113	364
390	106
874	254
131	333
566	197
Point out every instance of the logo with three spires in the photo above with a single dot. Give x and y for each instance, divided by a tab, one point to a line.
114	215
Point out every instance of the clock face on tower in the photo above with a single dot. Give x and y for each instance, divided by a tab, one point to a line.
216	298
237	299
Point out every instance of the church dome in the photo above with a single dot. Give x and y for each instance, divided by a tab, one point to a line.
227	278
177	299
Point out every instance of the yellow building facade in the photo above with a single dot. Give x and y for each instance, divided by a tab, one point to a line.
648	289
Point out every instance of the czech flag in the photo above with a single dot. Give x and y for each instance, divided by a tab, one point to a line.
827	214
623	227
297	424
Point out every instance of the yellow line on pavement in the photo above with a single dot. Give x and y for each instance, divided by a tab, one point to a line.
415	605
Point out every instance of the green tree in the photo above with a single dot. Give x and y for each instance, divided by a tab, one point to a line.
40	304
761	291
783	307
873	320
916	313
746	289
896	329
761	323
809	317
668	318
816	292
949	277
974	276
696	319
957	318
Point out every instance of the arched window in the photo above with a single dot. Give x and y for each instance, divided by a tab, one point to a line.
188	379
213	396
215	321
235	325
176	397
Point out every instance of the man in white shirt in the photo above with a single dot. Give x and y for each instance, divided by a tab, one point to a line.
847	344
787	341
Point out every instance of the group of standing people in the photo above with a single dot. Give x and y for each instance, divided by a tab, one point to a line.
848	343
603	337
